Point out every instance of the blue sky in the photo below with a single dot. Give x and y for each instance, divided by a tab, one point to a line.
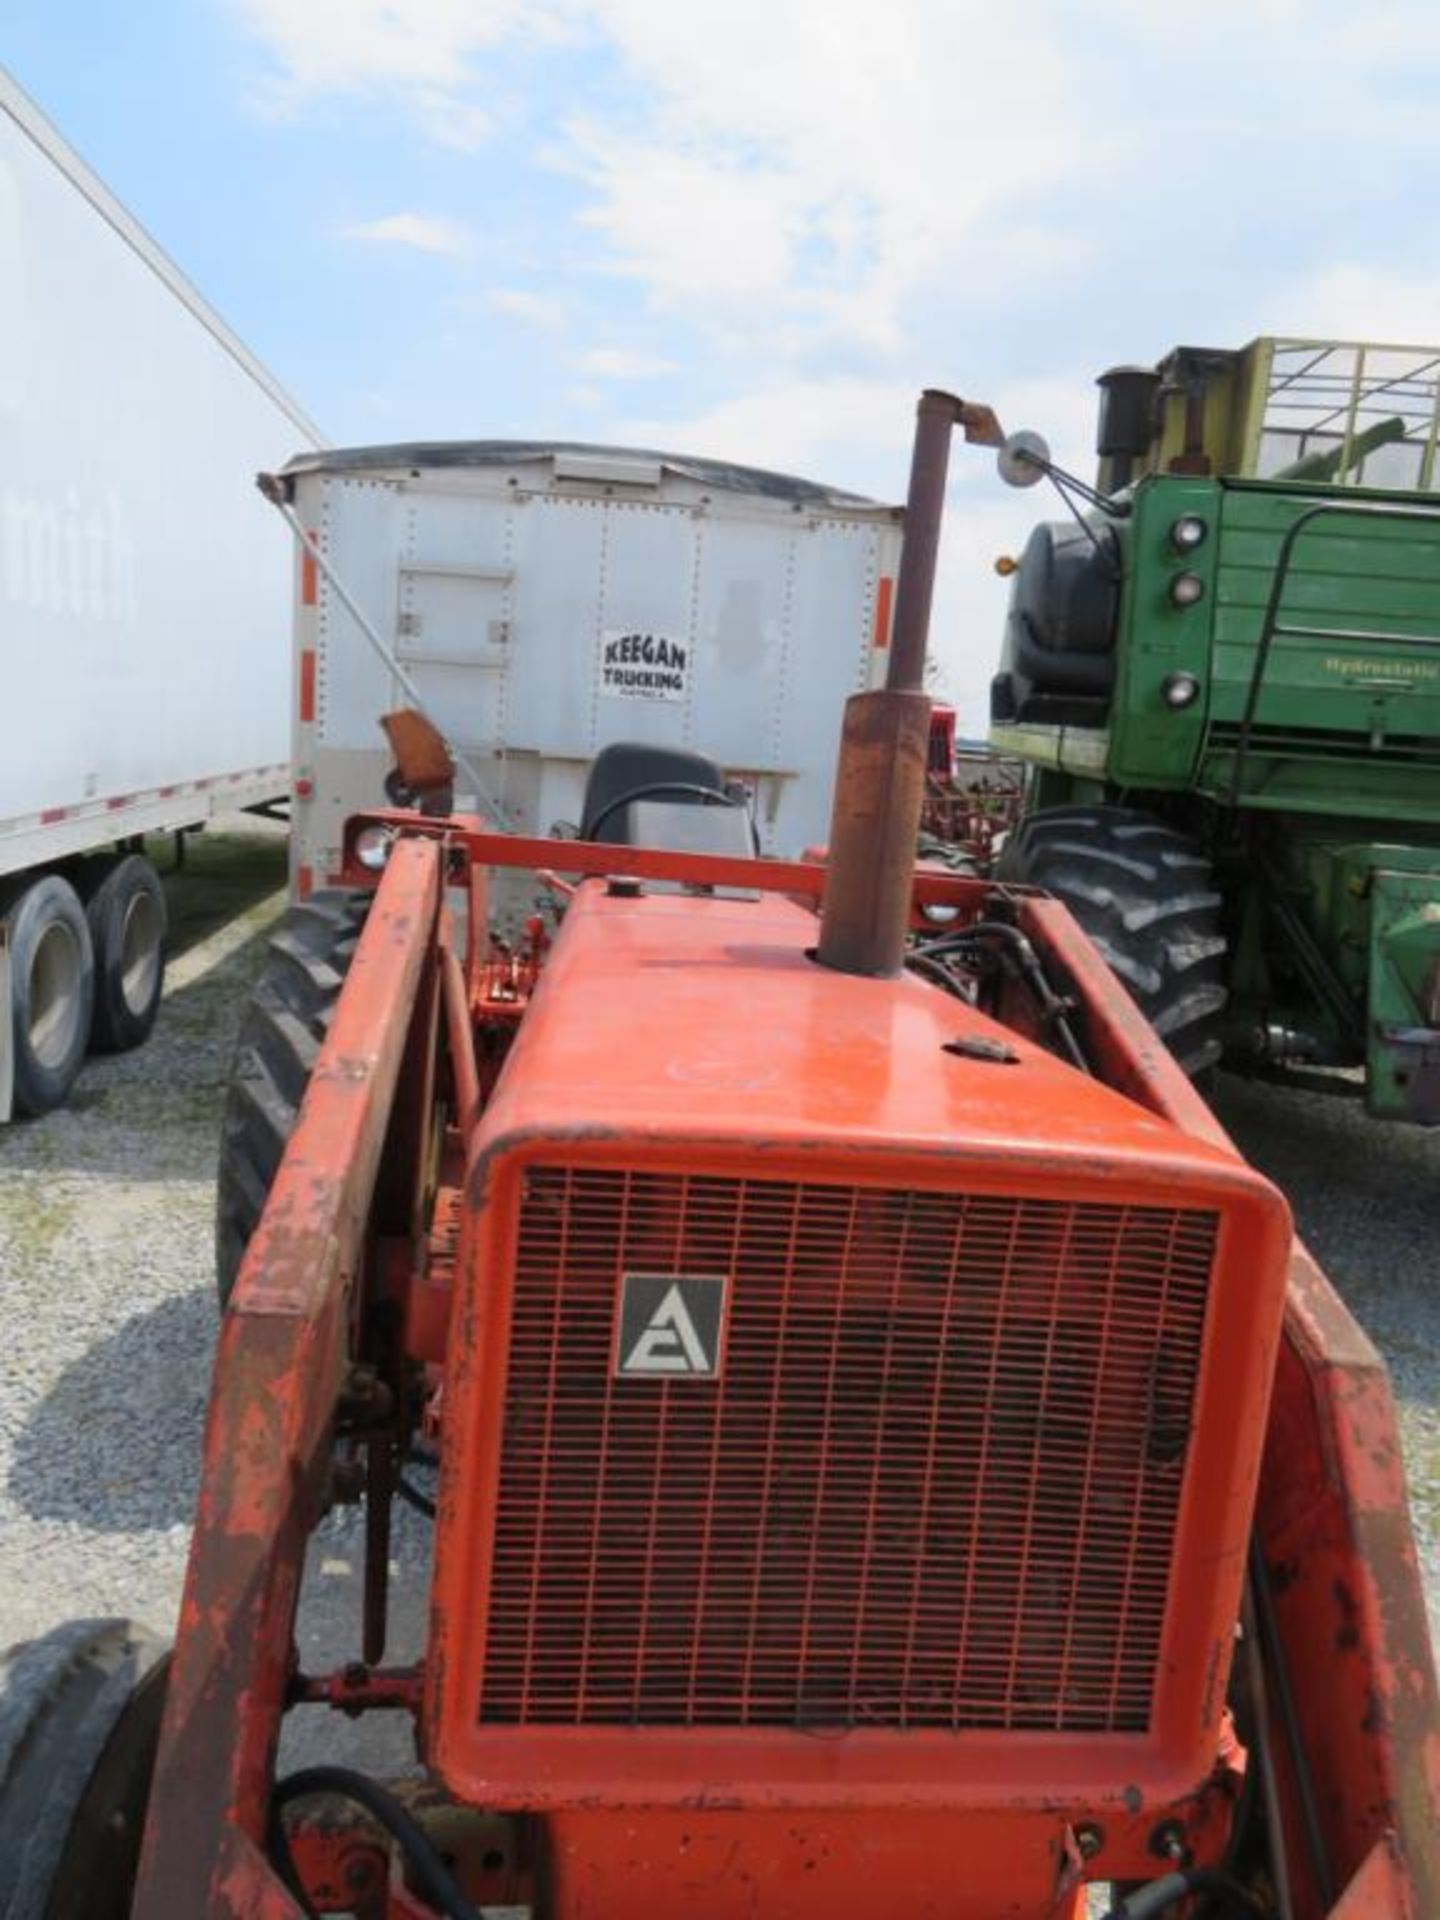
754	228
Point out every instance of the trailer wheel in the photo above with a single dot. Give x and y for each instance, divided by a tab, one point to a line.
287	1018
1146	896
52	989
125	907
79	1724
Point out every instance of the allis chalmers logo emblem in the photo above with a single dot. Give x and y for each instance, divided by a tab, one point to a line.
671	1323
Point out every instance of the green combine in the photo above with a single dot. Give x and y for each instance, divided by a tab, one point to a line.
1224	672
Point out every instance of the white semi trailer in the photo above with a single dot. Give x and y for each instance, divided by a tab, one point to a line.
540	602
144	618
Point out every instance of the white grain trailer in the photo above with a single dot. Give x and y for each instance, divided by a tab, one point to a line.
144	617
540	602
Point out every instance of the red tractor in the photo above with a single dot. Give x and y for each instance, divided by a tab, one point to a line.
893	1457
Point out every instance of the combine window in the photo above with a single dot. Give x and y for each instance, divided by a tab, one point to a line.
1349	415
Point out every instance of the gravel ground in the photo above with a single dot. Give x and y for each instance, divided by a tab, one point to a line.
106	1276
108	1319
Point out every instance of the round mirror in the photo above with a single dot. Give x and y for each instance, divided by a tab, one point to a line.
1023	459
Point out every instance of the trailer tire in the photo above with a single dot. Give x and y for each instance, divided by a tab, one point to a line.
80	1715
52	990
1146	895
125	906
286	1020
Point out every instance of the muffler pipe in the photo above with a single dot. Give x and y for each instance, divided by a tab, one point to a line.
880	779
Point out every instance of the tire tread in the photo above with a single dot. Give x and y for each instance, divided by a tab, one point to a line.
285	1024
1145	894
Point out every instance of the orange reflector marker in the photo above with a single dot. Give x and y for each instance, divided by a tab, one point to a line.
309	577
307	684
884	596
304	882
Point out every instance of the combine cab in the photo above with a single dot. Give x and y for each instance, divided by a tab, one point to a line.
893	1457
1226	677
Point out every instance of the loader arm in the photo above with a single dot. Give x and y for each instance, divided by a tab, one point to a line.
283	1362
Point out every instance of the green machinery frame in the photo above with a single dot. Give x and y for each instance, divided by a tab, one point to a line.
1277	688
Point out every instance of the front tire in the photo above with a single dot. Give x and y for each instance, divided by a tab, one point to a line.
1146	895
286	1021
79	1725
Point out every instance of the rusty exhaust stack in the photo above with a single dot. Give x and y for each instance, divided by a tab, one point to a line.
880	780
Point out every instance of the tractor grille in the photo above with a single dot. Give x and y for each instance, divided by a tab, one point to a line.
935	1483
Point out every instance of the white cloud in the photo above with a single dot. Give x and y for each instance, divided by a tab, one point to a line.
790	179
811	191
420	232
421	52
622	363
694	230
805	193
533	309
1355	302
826	429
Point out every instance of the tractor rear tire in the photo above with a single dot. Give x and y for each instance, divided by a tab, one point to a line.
1146	895
287	1018
79	1724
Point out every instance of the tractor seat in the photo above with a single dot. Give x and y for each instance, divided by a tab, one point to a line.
632	788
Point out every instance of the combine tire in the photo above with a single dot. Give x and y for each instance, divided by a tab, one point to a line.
126	911
52	988
1146	896
79	1723
287	1018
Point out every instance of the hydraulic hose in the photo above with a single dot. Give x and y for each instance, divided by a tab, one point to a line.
1054	1010
432	1877
1161	1895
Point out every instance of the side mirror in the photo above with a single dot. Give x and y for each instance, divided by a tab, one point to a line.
1024	459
